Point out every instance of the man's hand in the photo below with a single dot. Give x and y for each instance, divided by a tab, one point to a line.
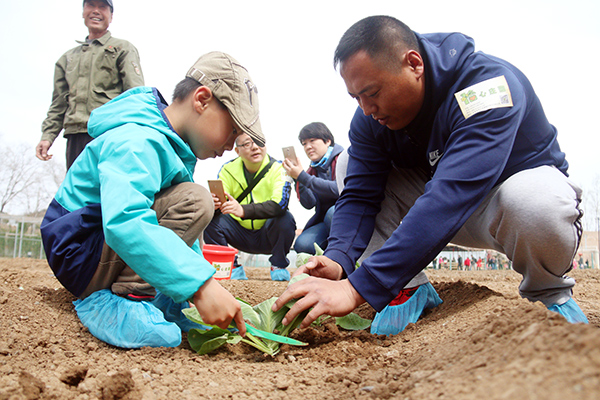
231	206
41	150
218	307
321	267
335	298
216	201
291	169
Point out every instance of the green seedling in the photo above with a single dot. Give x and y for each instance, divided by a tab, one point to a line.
352	321
302	258
260	316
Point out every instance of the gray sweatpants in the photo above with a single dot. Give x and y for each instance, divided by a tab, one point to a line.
533	217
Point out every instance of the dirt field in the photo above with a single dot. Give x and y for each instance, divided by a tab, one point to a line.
483	342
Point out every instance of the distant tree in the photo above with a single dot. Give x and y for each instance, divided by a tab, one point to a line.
591	205
26	184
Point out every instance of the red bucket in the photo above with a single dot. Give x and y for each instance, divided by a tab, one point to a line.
221	257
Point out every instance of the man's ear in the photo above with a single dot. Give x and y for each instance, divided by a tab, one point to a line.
202	97
415	62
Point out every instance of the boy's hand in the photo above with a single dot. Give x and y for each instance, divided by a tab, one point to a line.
218	307
321	267
231	206
291	169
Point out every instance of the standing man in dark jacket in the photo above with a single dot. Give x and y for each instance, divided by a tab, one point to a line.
452	145
85	77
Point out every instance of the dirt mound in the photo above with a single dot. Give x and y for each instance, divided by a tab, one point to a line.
484	341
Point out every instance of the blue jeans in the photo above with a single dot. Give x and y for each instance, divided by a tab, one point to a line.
315	234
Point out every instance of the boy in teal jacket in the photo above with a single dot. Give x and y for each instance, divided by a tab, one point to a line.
122	231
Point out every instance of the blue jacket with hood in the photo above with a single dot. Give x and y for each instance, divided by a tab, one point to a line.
466	158
107	195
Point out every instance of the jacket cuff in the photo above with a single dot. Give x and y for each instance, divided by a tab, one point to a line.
303	178
377	295
342	259
49	137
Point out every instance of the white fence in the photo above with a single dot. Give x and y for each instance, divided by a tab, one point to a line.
20	237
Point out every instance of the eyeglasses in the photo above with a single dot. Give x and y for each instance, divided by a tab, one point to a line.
246	145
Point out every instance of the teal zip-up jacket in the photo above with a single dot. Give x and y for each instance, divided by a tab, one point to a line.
107	195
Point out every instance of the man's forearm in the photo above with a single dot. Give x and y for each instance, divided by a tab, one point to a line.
267	209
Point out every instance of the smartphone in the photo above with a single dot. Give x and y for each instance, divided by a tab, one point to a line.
289	152
216	187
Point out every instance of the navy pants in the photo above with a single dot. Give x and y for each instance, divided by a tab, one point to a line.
274	238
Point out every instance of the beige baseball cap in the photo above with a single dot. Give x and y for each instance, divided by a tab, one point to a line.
231	85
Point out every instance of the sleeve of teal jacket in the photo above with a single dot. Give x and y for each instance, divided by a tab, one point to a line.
132	170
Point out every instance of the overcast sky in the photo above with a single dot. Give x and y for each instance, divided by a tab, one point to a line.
288	49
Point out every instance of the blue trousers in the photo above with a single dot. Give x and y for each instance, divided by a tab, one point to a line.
274	238
317	233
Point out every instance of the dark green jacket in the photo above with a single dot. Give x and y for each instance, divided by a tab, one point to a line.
85	78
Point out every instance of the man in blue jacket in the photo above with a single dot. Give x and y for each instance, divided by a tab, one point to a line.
454	144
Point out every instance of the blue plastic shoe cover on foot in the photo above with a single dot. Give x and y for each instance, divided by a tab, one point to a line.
393	319
571	311
172	312
280	274
125	323
239	274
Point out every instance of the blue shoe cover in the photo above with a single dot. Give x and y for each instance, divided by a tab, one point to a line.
393	319
571	311
239	274
280	274
172	312
125	323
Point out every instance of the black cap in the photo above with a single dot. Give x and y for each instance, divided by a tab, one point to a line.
109	2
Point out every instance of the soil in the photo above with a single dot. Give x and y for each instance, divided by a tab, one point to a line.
484	341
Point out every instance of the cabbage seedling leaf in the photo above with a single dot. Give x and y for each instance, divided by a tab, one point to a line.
352	322
204	342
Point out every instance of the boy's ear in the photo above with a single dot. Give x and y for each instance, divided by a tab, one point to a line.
202	97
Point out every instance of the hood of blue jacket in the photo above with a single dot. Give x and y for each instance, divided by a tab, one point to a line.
142	106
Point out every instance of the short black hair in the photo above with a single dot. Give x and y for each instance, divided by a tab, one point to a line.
382	37
184	88
316	130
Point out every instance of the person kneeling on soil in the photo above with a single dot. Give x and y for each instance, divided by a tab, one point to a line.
447	145
122	232
255	218
316	187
